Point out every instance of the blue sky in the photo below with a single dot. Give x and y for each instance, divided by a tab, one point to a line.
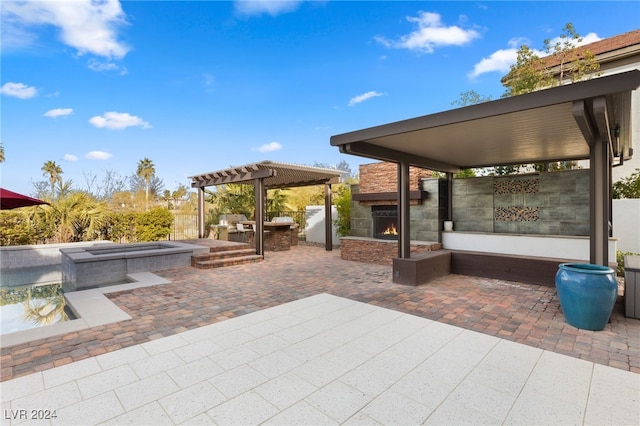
203	85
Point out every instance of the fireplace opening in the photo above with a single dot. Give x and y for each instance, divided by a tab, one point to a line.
385	222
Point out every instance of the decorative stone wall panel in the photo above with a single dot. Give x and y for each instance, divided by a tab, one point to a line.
516	186
517	214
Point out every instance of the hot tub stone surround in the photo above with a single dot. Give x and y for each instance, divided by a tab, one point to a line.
111	263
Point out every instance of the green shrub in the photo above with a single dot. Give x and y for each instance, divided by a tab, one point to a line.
343	206
16	229
154	225
620	259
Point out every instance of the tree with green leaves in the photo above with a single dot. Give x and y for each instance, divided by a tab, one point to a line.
628	187
1	153
565	63
146	170
53	171
470	97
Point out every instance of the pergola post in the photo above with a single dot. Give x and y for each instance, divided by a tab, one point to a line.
201	212
259	215
404	229
328	222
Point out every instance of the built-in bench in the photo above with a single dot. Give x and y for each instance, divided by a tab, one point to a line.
425	267
510	267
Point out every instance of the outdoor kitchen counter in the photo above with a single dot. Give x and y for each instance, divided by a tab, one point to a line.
277	236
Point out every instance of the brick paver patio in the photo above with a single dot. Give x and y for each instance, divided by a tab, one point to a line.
522	313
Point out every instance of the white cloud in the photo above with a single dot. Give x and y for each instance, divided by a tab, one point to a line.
70	157
58	112
98	155
361	98
502	59
499	61
270	7
88	26
270	147
99	66
118	120
18	90
430	33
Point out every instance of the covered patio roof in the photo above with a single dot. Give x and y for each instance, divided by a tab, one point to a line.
275	175
590	119
556	124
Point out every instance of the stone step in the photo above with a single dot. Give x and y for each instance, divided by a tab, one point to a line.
223	254
229	247
229	261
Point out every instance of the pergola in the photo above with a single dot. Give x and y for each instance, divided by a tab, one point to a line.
268	175
586	120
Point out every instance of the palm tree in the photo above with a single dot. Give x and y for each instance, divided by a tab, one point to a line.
46	311
75	217
1	153
54	171
146	171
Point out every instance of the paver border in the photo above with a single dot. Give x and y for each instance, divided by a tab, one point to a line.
91	307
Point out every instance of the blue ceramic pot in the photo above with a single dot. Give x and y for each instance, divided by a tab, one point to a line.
587	294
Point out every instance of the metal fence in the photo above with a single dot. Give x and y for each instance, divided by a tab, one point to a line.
185	226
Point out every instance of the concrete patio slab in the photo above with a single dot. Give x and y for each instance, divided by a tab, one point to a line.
403	370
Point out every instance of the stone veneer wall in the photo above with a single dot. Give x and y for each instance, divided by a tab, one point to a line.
380	252
383	177
554	203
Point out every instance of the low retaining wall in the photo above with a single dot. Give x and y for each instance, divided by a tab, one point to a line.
34	264
548	246
37	254
381	252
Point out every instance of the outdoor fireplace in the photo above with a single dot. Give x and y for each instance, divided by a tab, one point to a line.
385	222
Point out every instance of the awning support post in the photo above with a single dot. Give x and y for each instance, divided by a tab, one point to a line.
404	229
449	196
600	185
599	202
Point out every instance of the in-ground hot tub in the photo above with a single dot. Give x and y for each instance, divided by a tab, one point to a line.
104	264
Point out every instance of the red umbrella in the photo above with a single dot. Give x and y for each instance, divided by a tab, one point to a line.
12	200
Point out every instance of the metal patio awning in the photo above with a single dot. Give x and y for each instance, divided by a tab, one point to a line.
586	120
